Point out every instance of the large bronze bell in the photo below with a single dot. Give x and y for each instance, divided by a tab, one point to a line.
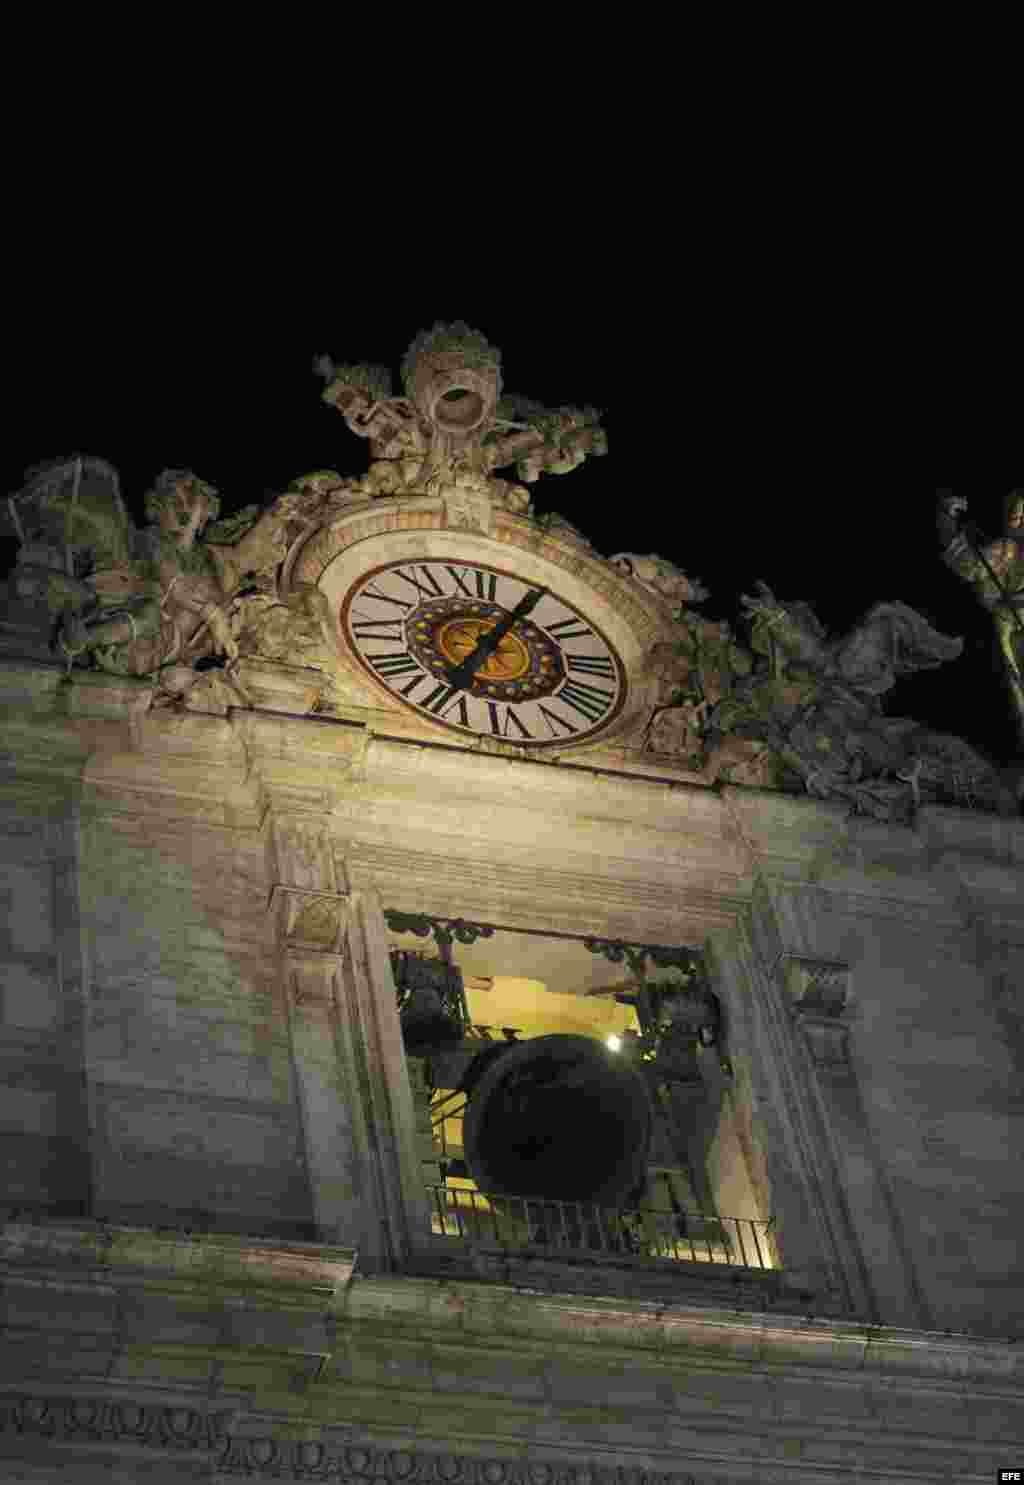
559	1117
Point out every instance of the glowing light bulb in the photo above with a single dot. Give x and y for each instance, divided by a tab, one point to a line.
614	1043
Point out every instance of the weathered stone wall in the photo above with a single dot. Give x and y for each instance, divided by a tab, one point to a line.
919	1089
44	1155
889	1168
942	1126
188	1052
212	1358
146	1069
199	1032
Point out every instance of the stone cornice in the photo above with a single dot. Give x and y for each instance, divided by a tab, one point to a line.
524	894
184	1264
406	1378
729	1338
322	1278
794	830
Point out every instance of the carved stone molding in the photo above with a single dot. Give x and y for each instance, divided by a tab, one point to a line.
818	995
360	1462
304	854
310	922
338	1453
309	1274
310	895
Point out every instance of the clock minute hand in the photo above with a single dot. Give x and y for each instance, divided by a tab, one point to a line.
461	677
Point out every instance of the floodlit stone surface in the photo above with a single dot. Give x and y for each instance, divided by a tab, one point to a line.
207	1125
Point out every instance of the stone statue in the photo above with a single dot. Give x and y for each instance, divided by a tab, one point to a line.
816	703
802	712
695	671
693	675
156	603
184	601
995	569
453	427
254	542
891	640
667	582
167	606
293	630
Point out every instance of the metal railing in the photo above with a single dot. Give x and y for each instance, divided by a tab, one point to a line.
584	1227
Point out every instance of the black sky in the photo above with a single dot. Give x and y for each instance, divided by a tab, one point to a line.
717	460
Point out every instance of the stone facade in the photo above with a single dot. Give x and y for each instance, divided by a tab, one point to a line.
217	1256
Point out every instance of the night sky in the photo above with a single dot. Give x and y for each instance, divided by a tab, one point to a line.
728	473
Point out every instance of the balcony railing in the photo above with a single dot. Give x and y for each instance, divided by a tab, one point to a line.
582	1227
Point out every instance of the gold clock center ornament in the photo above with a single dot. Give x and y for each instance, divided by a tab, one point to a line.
484	649
458	638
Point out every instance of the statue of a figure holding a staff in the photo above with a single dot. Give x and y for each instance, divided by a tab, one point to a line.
995	569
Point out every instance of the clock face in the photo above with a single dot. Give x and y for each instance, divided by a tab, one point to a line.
426	630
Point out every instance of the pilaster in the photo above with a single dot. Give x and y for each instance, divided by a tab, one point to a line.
353	1085
372	1003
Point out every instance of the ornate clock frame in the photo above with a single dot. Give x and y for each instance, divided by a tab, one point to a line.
333	557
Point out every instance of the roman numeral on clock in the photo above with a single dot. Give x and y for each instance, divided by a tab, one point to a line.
378	628
485	584
385	598
554	722
400	662
564	629
592	665
433	590
502	726
462	709
439	699
589	701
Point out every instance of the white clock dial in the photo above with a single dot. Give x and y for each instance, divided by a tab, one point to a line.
422	629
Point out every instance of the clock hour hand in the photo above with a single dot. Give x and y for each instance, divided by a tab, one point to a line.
461	676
